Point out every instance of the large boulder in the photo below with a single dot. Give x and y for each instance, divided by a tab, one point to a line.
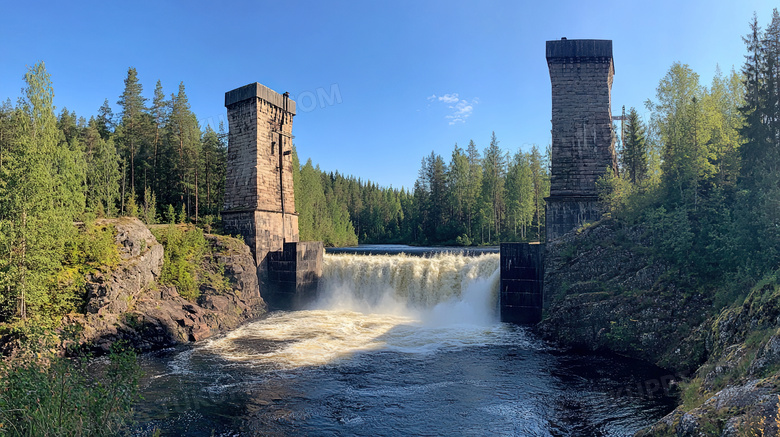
142	260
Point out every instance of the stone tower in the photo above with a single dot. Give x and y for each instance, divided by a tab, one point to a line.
583	146
259	196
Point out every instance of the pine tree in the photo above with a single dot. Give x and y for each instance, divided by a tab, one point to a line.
180	150
755	151
67	123
159	116
540	179
473	186
103	176
520	195
149	212
105	120
493	173
759	212
132	121
214	164
634	154
458	187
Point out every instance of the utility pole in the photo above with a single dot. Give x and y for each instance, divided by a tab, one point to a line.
282	154
622	119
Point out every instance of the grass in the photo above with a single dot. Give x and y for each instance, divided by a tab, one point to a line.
42	394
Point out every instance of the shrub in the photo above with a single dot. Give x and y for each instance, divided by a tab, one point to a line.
42	394
183	263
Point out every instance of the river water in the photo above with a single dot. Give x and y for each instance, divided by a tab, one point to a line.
396	345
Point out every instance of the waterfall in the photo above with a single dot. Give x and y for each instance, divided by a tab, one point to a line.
413	305
441	289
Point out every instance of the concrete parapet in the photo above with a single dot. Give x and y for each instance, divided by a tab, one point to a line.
260	91
579	49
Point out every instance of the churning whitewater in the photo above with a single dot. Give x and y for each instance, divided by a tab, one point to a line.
376	302
395	345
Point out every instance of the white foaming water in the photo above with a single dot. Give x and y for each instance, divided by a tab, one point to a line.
380	302
442	289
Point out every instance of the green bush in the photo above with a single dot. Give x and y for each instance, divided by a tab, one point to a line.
463	240
92	248
170	215
42	394
183	263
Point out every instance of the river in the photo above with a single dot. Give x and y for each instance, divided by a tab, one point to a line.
396	345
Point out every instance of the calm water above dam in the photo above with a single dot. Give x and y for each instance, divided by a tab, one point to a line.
396	345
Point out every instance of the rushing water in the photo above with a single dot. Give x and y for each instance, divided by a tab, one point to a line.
396	345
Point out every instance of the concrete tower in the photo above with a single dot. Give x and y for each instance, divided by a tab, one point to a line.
259	196
259	200
583	146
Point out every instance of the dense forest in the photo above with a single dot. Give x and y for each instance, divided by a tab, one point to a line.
60	172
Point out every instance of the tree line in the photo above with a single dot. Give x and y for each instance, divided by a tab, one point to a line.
476	198
151	159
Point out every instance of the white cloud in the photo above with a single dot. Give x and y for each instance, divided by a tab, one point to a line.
462	111
449	98
461	108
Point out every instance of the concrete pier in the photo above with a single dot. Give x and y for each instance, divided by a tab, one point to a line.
522	282
294	274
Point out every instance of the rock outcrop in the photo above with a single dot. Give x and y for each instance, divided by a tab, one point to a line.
737	391
603	291
128	303
142	259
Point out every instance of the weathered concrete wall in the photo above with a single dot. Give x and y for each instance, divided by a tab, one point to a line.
583	146
295	274
522	282
566	213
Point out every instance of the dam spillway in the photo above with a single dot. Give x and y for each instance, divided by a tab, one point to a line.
420	286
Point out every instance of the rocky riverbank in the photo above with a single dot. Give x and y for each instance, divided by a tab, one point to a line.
604	291
129	302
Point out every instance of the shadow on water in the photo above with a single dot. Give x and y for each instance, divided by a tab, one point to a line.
496	380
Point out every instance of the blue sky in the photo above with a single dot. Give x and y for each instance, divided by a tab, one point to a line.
378	84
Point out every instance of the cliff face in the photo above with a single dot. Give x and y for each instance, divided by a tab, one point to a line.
129	304
737	391
603	291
